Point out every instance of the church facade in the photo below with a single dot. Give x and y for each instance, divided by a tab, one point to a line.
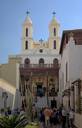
40	62
35	71
41	73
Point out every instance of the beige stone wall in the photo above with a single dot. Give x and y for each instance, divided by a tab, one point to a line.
51	43
7	87
65	102
10	90
14	59
8	73
78	120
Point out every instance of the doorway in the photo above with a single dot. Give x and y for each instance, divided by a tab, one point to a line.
40	89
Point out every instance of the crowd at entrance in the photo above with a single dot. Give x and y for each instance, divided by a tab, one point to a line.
50	117
55	118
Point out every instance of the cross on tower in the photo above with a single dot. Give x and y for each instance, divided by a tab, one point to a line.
41	40
54	13
27	12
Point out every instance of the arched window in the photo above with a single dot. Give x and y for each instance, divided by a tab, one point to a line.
55	62
26	44
41	62
54	31
66	71
27	61
54	44
26	32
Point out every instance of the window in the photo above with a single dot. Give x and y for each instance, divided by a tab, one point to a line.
26	45
54	44
54	31
55	62
66	71
27	61
41	50
41	62
26	32
4	95
40	89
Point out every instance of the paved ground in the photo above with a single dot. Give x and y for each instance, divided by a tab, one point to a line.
57	126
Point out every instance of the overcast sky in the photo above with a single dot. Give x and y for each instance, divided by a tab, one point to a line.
13	13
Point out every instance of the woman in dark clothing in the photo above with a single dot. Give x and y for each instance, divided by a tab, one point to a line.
53	118
42	118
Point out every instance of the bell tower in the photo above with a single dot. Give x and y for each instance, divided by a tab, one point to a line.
27	33
54	38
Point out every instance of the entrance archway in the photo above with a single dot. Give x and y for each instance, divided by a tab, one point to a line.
40	89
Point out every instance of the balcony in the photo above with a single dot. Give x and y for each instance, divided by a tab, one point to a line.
39	66
39	69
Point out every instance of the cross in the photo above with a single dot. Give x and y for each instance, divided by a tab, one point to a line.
41	40
54	13
27	12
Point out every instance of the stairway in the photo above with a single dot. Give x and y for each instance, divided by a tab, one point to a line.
41	102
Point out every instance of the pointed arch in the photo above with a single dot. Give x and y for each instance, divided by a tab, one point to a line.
26	32
54	31
54	44
26	44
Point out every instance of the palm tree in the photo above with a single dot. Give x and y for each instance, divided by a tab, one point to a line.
13	121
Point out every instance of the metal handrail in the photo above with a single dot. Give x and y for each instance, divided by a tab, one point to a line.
38	65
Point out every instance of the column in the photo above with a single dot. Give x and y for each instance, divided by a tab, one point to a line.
17	76
81	99
30	82
72	97
76	97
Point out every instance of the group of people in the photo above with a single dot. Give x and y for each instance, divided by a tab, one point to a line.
9	112
52	117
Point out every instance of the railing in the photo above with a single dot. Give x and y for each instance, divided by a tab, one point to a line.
39	66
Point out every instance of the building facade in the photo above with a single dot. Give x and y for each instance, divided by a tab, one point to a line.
39	68
70	79
35	71
39	73
7	96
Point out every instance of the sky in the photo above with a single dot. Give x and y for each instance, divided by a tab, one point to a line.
13	13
